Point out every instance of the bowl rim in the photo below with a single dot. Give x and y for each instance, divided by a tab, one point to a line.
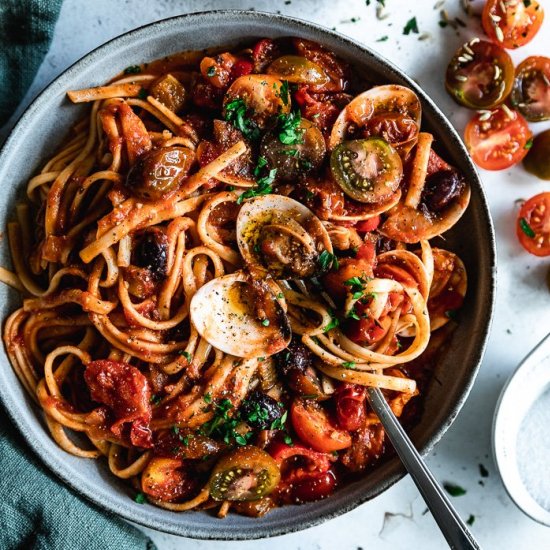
26	427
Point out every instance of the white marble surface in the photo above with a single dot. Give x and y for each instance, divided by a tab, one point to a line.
396	519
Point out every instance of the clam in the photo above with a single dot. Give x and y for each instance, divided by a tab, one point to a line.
282	237
391	112
242	316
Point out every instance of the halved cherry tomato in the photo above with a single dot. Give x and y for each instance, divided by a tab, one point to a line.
368	170
297	457
298	70
512	23
498	140
350	406
533	225
247	473
531	93
364	331
166	479
263	96
537	158
368	225
480	75
313	426
313	487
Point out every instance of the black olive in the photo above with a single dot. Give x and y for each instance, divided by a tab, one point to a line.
151	252
441	188
260	411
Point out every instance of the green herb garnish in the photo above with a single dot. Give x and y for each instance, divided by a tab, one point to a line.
471	519
348	364
290	132
383	38
328	261
186	354
334	322
411	26
207	398
526	228
529	144
142	94
265	322
140	498
235	112
132	69
211	71
454	490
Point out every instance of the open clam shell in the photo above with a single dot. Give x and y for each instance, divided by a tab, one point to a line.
281	236
241	316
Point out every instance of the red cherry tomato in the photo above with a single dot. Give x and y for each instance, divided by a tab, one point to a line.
313	487
364	331
512	23
368	225
350	406
263	53
296	457
533	225
313	426
165	479
498	140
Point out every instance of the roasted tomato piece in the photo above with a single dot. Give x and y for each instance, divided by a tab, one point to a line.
366	226
497	140
531	93
298	70
533	225
263	53
537	159
366	448
263	97
293	161
350	406
322	108
166	479
312	487
368	170
364	331
205	94
313	426
247	473
159	173
169	91
480	75
512	23
335	281
294	458
126	393
224	68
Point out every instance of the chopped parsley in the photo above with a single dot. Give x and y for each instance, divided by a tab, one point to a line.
187	355
348	364
283	92
211	71
224	426
451	314
471	519
265	322
483	472
279	423
382	38
263	184
454	490
526	228
142	94
132	69
207	398
290	132
328	261
334	322
140	498
155	399
411	26
352	314
529	144
235	112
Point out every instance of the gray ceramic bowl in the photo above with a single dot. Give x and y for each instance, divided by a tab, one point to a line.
40	130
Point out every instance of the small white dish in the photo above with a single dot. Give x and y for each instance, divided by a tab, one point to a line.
528	383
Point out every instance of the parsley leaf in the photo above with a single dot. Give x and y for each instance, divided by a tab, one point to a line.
328	260
155	399
207	398
411	26
187	355
454	490
334	322
211	71
382	38
290	132
263	186
283	92
471	519
529	144
140	498
348	364
526	228
143	93
235	112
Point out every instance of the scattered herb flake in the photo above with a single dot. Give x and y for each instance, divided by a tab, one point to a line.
290	132
140	498
411	26
529	144
348	364
207	398
328	261
155	399
483	472
454	490
132	69
235	112
142	94
451	314
382	38
187	355
334	322
211	71
526	228
471	519
265	322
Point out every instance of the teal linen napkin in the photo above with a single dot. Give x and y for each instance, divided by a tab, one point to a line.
26	29
38	513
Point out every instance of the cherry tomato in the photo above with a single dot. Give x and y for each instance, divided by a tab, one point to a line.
298	70
512	23
533	225
166	479
334	281
480	75
313	487
497	140
364	331
263	96
350	406
368	170
368	225
531	93
536	160
263	53
247	473
293	458
312	425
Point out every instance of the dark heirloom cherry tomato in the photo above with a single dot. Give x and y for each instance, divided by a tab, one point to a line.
298	70
247	473
480	75
531	93
293	161
313	426
159	173
170	91
166	479
512	23
537	160
497	140
368	170
350	406
533	225
313	487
